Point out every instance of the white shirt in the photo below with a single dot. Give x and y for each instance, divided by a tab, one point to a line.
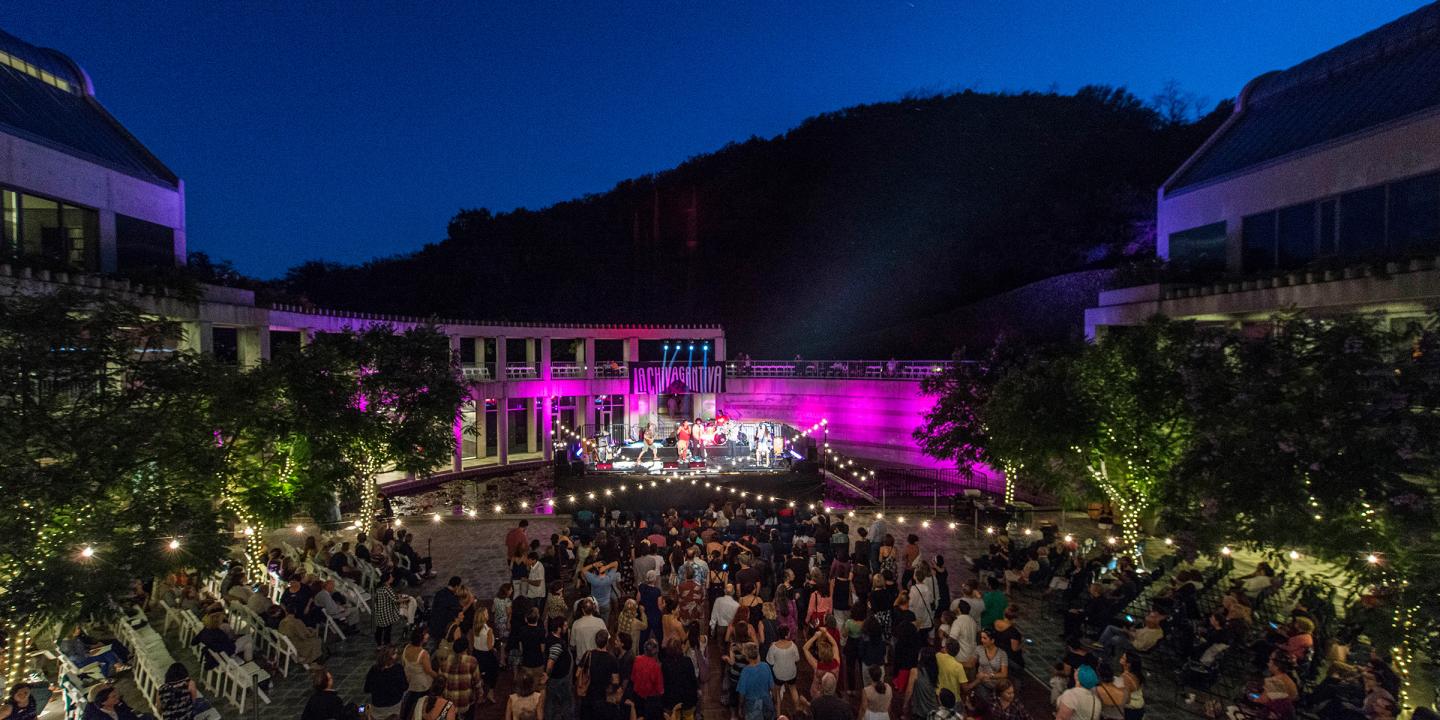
977	608
582	634
965	632
724	611
922	595
530	589
1083	703
783	660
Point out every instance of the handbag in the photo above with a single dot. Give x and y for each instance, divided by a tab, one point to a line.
582	678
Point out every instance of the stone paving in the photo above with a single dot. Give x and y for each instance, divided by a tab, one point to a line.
473	548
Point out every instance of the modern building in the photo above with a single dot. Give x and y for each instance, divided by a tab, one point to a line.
1320	193
79	192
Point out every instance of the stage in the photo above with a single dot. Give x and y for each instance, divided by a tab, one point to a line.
715	447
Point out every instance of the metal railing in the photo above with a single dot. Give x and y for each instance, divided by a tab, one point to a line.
845	369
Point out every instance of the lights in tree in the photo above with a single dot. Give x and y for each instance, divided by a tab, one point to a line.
87	552
1373	559
174	544
1225	551
1294	555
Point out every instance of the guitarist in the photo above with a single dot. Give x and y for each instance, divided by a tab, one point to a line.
648	437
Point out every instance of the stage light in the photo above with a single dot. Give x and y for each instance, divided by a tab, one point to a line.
174	545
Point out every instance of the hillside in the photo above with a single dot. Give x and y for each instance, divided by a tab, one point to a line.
853	222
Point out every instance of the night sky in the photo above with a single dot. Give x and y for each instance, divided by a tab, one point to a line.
348	130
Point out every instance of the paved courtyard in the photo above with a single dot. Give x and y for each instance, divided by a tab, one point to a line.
473	548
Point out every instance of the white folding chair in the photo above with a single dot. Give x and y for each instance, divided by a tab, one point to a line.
332	626
213	678
284	652
244	678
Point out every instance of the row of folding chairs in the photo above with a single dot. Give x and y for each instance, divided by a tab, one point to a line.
270	643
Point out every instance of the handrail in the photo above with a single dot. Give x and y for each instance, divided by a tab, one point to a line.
846	369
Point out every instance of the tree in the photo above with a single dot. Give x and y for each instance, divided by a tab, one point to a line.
375	400
106	455
954	429
1109	416
1321	436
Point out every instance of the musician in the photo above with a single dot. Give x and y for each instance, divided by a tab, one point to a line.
682	441
647	436
704	436
762	445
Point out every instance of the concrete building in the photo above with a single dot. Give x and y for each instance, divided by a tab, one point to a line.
1320	193
78	191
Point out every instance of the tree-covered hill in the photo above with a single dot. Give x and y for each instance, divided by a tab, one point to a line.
850	223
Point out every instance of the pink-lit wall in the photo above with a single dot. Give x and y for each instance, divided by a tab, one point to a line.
869	419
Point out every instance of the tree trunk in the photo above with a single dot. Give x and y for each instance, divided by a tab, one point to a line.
15	658
369	503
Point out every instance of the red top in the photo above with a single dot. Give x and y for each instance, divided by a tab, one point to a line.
516	538
645	677
682	434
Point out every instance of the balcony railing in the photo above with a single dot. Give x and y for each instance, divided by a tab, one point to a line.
841	369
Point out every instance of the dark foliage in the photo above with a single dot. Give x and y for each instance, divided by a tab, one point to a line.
851	222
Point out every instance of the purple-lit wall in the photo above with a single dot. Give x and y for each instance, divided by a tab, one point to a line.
869	419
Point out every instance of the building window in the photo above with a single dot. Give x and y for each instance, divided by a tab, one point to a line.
519	411
141	244
1296	235
1362	222
1257	242
64	235
225	344
1200	249
467	351
1414	215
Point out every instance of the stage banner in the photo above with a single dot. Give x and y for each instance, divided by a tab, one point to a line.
661	379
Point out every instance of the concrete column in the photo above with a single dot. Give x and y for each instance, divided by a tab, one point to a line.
254	345
632	349
530	355
589	358
718	346
199	337
500	357
530	423
545	372
307	336
457	462
109	246
502	429
480	424
547	428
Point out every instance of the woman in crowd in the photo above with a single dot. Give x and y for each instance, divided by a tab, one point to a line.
482	644
419	673
921	695
386	684
822	655
1133	675
1006	706
991	664
176	698
784	658
500	617
525	703
1111	693
875	699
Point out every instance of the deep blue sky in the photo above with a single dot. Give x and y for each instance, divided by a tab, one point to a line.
347	130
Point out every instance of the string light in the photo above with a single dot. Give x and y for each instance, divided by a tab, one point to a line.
174	544
87	552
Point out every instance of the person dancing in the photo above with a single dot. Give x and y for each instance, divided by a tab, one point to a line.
682	441
647	436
